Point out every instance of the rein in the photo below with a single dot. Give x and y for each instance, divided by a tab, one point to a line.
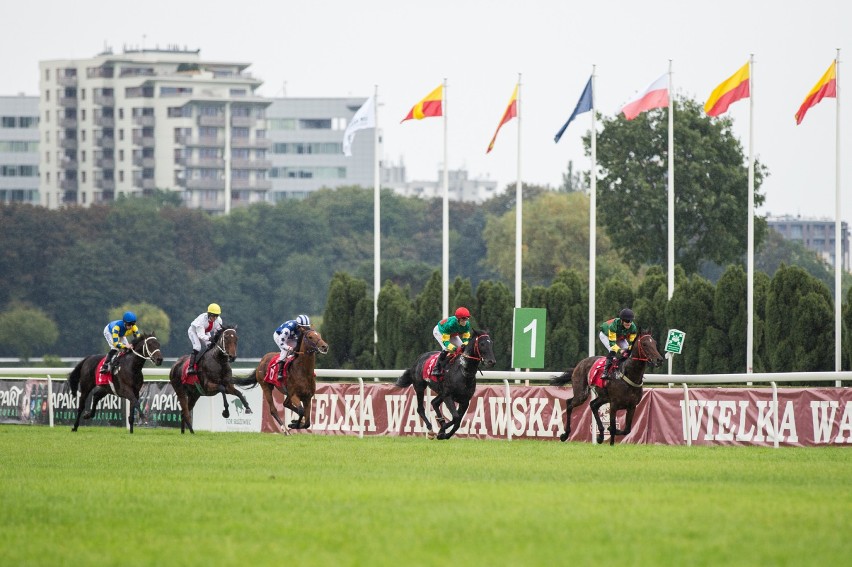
221	340
477	356
640	357
145	349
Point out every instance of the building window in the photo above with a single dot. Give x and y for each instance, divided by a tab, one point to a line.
239	132
315	124
121	175
120	155
83	156
282	123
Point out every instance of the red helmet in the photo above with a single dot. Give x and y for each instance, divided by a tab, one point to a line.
462	313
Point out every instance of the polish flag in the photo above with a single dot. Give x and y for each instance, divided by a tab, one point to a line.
655	96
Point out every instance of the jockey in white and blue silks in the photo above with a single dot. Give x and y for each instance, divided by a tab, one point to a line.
286	336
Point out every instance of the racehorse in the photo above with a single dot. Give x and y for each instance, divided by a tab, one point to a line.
458	384
623	392
126	378
300	383
214	376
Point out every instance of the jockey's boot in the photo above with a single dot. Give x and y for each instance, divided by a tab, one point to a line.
192	370
609	358
281	369
107	367
440	364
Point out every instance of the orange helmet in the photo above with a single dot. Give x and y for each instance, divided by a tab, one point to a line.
462	313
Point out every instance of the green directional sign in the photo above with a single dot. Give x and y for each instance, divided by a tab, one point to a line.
674	342
528	337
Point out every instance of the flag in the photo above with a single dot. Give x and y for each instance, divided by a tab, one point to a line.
511	112
428	107
734	88
655	96
583	105
364	118
825	87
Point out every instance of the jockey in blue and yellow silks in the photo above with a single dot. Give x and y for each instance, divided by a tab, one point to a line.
452	333
116	333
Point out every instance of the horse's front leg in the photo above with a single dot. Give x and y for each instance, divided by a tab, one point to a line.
458	416
98	393
595	405
613	430
134	407
628	421
226	413
439	415
294	404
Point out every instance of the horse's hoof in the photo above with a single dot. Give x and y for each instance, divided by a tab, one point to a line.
563	437
87	415
248	410
431	435
226	414
600	439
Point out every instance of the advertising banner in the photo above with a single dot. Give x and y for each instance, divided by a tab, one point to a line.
159	404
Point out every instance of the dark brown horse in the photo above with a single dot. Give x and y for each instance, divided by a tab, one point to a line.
300	384
623	392
457	387
126	378
214	376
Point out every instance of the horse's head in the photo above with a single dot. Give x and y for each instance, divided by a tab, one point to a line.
226	341
481	348
147	346
312	342
645	349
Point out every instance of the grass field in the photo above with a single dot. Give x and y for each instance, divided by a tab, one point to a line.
103	497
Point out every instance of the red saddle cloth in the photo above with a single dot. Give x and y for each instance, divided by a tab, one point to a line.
102	379
596	371
271	375
187	379
429	366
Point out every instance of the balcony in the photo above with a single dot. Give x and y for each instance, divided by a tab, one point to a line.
105	163
212	121
144	141
69	185
68	101
147	162
243	121
105	121
68	122
258	184
105	184
104	100
67	80
209	184
70	196
104	196
68	143
105	142
204	163
143	120
68	163
251	164
202	141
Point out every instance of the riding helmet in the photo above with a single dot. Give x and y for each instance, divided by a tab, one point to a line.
626	315
462	312
129	317
214	309
303	321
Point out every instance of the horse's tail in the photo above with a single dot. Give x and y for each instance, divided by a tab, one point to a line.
74	377
249	381
407	379
565	378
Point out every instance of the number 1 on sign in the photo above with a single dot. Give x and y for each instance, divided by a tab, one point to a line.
532	328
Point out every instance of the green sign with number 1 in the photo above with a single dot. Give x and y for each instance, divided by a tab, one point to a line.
528	337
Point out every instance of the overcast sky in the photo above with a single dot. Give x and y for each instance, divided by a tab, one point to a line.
329	48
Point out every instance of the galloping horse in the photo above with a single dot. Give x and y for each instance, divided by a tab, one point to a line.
458	384
624	392
127	377
299	385
214	376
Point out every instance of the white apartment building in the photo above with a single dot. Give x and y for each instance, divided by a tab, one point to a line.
19	177
148	119
459	185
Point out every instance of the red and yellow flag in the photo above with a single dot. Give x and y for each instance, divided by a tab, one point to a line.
825	87
511	112
431	105
734	88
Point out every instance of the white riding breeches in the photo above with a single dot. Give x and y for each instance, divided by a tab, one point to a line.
622	343
455	339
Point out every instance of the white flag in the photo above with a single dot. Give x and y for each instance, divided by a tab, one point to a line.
364	118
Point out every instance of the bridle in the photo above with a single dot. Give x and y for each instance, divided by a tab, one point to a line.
220	344
477	354
313	343
147	353
639	356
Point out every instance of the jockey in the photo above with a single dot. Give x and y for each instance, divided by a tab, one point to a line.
286	336
200	330
116	333
617	335
452	333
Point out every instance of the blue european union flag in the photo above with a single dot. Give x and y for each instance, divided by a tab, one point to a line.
583	105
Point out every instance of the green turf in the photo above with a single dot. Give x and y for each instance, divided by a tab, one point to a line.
103	497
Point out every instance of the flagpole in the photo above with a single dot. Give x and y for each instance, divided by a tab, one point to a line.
838	249
593	190
519	208
377	220
445	267
750	252
671	195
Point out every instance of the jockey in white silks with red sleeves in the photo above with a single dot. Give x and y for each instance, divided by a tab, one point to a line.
201	330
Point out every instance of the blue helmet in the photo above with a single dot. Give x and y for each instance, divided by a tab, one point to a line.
129	317
303	321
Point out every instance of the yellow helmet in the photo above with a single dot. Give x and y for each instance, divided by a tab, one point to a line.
214	308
